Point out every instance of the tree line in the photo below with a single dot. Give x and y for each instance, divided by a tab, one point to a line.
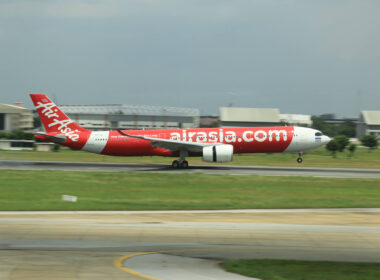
17	135
341	142
347	128
341	134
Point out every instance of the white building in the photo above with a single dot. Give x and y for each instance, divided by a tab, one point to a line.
296	119
232	116
104	117
14	118
368	123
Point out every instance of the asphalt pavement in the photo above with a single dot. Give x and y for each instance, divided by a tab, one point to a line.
206	169
137	245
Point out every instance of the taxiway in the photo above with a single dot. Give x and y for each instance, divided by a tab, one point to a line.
114	245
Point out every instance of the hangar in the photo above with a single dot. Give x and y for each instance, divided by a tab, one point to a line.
368	123
296	119
15	117
125	116
233	116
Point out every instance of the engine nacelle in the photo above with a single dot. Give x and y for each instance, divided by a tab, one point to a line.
218	153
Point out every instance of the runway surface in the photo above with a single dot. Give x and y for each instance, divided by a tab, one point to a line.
134	245
207	169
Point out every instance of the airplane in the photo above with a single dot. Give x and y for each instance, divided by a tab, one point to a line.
212	144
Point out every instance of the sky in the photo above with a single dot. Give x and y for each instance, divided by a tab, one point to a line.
305	57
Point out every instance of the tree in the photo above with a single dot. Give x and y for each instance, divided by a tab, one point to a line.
36	122
56	147
342	141
369	141
324	127
28	136
19	135
347	128
332	146
352	148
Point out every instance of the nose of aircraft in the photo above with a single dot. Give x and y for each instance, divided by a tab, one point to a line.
325	139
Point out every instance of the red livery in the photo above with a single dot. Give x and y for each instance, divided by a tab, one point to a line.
212	144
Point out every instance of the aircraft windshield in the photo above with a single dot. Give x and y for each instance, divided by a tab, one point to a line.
318	133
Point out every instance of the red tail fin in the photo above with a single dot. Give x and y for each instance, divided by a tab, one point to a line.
52	118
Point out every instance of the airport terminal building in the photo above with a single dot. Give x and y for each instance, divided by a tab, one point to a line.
125	116
368	123
15	117
296	119
234	116
245	117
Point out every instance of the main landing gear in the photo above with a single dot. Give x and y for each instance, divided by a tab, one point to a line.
182	162
299	159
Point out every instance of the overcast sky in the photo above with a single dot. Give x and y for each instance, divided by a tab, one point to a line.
309	57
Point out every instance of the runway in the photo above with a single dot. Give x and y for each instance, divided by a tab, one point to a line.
206	169
135	245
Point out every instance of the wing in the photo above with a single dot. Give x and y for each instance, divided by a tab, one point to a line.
172	145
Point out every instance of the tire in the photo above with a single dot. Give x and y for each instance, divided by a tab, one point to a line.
184	164
175	164
299	160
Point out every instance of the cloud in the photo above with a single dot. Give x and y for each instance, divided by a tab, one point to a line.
103	9
252	48
347	30
83	9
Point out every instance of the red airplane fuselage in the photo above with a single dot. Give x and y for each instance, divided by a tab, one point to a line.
214	144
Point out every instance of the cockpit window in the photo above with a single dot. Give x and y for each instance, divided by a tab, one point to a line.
318	133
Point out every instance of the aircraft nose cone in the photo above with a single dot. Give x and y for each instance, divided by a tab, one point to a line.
325	139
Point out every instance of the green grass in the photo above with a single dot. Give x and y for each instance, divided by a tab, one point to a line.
304	270
316	158
42	190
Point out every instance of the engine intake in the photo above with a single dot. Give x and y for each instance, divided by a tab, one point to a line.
218	153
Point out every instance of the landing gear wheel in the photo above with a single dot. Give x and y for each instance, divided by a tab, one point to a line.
175	164
184	164
299	159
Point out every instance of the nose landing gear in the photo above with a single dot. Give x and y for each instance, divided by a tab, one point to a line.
299	159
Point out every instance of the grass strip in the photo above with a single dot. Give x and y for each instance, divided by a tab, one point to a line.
42	190
304	270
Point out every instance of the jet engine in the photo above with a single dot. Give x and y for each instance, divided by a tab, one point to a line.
218	153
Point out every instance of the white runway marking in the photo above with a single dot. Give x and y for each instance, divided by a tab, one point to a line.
167	267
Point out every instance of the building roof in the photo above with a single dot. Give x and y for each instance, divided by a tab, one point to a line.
371	117
126	109
296	118
208	120
233	114
12	109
